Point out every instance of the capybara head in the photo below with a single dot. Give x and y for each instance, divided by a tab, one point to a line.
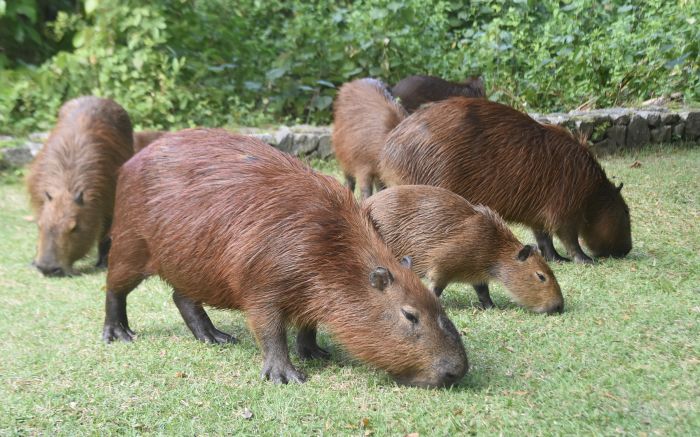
407	333
66	232
607	229
530	281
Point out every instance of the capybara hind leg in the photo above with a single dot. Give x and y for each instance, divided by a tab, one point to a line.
198	321
350	182
482	292
103	252
366	186
569	238
272	337
378	185
307	348
546	245
116	322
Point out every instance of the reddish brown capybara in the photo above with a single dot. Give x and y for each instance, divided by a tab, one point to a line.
146	137
535	174
234	223
364	112
449	239
72	182
414	91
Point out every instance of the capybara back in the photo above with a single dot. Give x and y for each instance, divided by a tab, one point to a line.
414	91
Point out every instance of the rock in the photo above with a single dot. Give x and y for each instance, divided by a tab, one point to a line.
653	118
304	144
678	131
265	137
617	134
584	125
38	137
637	132
604	147
325	149
17	156
619	116
284	138
670	118
692	126
660	134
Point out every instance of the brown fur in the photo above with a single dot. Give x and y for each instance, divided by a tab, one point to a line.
530	173
450	240
91	139
234	223
364	112
146	137
414	91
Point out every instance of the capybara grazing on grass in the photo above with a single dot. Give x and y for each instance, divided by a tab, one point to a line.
493	155
413	91
72	182
363	114
234	223
449	239
146	137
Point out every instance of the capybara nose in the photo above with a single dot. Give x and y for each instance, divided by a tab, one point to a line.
451	373
51	271
556	309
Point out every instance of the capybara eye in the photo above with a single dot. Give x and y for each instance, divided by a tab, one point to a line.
541	276
413	318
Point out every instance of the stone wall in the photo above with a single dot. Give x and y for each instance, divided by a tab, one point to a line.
608	131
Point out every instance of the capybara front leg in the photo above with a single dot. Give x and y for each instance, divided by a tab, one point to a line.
569	237
272	337
350	182
116	323
482	292
365	185
307	348
198	321
103	251
546	245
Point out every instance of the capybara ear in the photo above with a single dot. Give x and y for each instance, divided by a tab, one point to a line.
79	198
380	278
407	262
619	187
525	252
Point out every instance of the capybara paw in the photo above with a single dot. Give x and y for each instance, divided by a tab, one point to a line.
117	331
311	352
486	305
556	257
214	336
583	259
282	374
101	263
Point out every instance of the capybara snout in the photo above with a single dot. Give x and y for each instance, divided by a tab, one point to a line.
607	228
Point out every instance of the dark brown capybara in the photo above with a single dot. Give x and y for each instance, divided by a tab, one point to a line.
413	91
234	223
146	137
449	239
72	182
535	174
363	114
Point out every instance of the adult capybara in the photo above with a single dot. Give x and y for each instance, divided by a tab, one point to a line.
72	182
530	173
146	137
449	239
413	91
364	112
234	223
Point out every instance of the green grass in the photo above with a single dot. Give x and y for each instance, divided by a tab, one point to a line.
623	358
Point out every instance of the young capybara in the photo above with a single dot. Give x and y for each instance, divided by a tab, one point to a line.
364	112
538	175
72	182
146	137
413	91
449	239
234	223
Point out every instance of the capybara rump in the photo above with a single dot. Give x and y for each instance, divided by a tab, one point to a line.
234	223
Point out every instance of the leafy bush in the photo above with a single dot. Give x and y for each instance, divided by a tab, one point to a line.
178	63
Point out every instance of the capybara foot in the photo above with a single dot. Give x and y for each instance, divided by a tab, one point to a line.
583	259
486	305
482	292
212	335
556	257
198	321
101	263
116	331
282	373
312	352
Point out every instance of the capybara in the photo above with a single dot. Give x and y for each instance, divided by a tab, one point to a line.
449	239
535	174
413	91
234	223
363	114
72	182
146	137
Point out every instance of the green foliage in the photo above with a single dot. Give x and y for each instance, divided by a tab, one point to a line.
177	63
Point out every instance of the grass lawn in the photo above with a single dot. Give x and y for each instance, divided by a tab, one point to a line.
623	358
